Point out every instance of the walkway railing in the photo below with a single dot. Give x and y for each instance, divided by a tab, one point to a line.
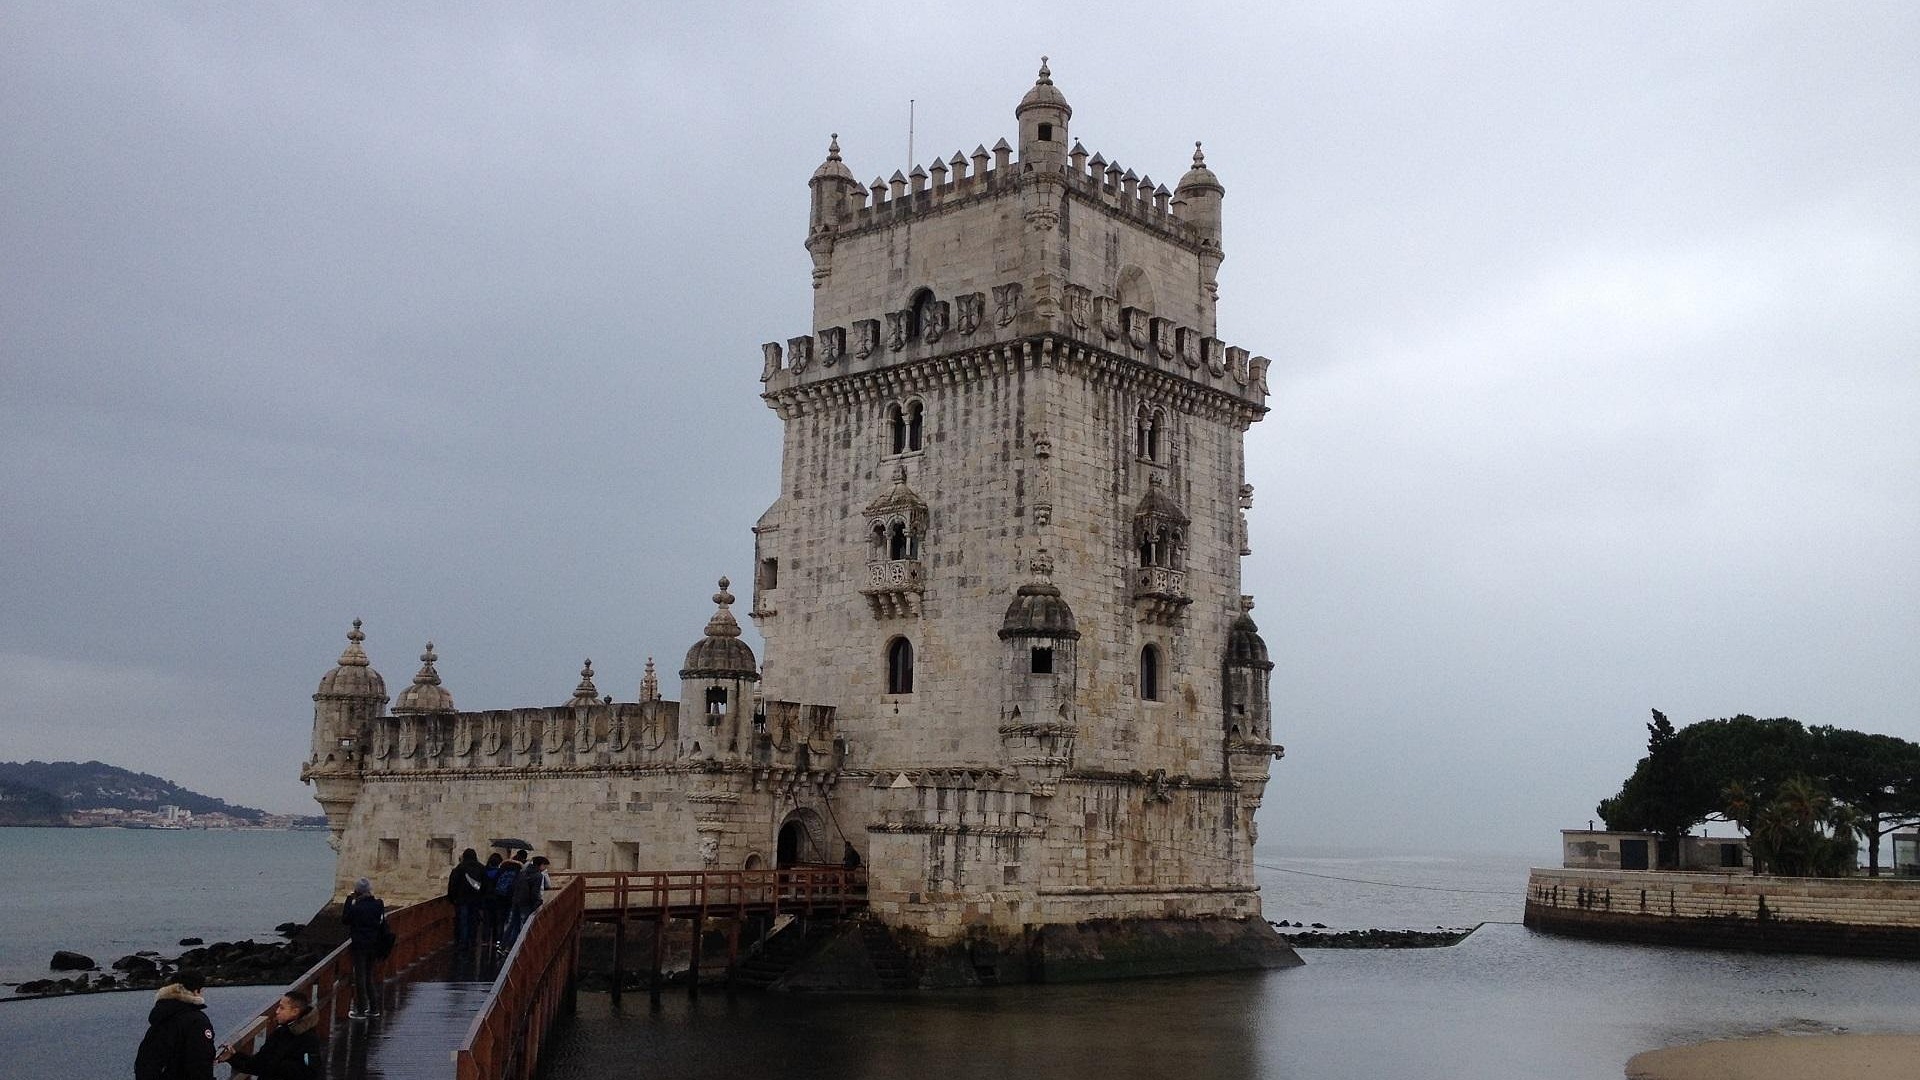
703	893
418	930
535	985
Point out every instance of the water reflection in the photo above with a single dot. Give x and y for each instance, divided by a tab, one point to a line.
1505	1004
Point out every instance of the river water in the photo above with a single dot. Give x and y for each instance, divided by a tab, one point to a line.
1505	1003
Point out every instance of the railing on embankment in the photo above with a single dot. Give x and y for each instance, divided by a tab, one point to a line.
536	983
418	930
1837	916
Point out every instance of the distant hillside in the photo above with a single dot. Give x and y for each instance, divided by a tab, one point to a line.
93	785
22	805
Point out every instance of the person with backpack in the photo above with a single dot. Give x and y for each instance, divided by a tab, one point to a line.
366	918
492	912
500	898
527	890
465	886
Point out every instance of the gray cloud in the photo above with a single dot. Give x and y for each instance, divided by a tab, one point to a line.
1593	334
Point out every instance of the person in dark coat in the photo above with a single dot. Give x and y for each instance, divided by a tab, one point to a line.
527	895
291	1051
493	909
500	896
179	1040
465	886
365	915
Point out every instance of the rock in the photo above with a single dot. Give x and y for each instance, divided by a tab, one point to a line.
71	961
135	963
1319	926
290	928
193	941
37	986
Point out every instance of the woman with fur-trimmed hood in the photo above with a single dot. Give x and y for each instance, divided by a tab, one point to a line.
179	1040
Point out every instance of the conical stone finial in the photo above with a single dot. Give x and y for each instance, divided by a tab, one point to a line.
354	655
586	693
1046	77
428	675
722	624
1199	158
833	147
650	683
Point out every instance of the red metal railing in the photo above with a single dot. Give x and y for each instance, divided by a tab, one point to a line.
535	984
418	930
701	893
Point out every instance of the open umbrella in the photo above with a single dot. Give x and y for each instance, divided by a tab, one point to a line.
510	843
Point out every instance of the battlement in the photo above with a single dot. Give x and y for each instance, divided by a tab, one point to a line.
962	179
934	327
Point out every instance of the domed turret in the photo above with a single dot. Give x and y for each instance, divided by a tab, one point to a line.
426	695
1200	192
833	188
353	676
1038	611
1043	116
1245	649
721	654
715	686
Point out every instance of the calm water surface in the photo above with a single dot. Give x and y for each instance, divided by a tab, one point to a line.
1506	1004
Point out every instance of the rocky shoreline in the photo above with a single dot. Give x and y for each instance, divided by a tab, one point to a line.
223	963
1318	936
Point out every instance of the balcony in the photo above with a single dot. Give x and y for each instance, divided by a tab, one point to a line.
1160	594
894	587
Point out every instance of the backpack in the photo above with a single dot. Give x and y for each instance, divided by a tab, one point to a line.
503	884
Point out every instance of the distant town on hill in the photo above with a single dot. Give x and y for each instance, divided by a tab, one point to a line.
91	794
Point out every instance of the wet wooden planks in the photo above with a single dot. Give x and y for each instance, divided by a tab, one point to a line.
425	1014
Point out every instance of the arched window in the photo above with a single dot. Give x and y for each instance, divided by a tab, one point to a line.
906	421
900	666
1156	425
716	700
1150	673
1149	432
902	544
919	314
1149	552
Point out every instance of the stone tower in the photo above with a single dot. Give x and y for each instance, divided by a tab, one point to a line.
351	698
1008	538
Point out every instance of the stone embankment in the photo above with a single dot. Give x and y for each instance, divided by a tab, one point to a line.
1764	913
1319	937
225	963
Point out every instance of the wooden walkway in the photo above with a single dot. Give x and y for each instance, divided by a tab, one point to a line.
425	1014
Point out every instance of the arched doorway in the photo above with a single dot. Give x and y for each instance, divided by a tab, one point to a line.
795	844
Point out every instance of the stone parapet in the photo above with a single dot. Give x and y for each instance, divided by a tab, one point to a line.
1844	916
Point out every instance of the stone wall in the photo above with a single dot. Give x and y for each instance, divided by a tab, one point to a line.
1846	916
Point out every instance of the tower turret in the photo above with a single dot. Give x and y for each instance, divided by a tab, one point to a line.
1040	674
1199	195
716	686
834	192
349	701
1043	116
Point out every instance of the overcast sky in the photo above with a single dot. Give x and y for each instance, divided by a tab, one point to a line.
1594	331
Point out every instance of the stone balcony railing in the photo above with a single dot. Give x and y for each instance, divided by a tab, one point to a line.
1160	593
894	587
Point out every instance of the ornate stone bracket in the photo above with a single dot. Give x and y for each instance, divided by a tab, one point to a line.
1160	594
894	587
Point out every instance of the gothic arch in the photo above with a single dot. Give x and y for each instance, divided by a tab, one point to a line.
1134	289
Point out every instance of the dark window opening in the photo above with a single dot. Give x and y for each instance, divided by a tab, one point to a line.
900	666
1150	673
915	412
1042	660
899	421
902	544
1046	132
716	700
769	573
919	315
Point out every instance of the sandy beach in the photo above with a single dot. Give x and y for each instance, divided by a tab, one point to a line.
1784	1057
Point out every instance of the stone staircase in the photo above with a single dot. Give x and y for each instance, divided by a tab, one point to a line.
785	947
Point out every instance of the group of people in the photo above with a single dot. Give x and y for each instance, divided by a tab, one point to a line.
179	1041
493	900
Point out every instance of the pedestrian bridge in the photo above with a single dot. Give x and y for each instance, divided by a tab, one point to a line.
473	1015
